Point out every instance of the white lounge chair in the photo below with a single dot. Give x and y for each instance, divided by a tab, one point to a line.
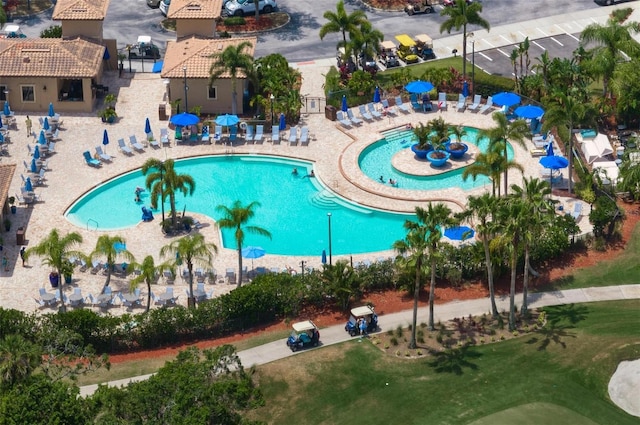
249	135
354	120
462	103
164	137
124	148
259	136
487	105
364	114
293	136
217	135
135	144
390	110
442	101
345	122
304	136
476	103
402	106
275	135
577	211
103	156
372	110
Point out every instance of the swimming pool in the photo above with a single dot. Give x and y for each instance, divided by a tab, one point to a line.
293	208
375	161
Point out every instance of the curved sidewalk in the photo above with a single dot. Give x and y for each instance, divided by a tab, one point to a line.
277	350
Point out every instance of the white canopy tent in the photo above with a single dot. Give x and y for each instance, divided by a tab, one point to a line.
596	148
608	171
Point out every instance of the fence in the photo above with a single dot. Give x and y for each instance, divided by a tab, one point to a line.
313	105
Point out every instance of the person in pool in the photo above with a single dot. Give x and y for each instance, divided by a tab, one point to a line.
381	179
295	172
392	182
312	174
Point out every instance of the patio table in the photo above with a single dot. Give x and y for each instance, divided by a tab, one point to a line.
199	295
76	298
47	297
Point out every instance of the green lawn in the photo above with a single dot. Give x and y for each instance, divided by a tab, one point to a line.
556	376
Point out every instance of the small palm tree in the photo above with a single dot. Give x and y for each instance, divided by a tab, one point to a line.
191	249
54	251
237	218
457	131
235	61
18	359
439	133
110	248
149	273
342	281
341	22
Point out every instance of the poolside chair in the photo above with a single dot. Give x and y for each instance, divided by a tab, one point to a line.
345	122
124	148
390	110
40	178
275	135
354	120
51	148
233	134
152	141
364	114
164	137
134	144
90	161
372	109
259	136
249	134
54	135
414	102
304	136
205	137
462	103
293	136
231	276
103	156
577	211
487	106
401	106
476	103
442	101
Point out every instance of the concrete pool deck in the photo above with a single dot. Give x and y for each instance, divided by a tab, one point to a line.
332	149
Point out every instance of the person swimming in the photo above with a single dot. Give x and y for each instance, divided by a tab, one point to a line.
392	182
295	172
381	179
312	174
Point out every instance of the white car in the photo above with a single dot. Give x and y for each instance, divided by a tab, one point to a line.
248	7
164	6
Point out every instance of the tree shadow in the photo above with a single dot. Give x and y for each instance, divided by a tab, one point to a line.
570	313
549	334
453	360
292	31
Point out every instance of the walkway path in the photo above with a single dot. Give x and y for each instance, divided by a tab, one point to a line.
277	350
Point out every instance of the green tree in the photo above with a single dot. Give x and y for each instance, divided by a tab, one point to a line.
459	16
366	41
18	359
491	164
342	281
54	31
342	22
111	249
237	217
164	182
234	62
149	273
54	250
190	249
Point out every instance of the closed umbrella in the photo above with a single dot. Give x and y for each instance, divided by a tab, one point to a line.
46	125
7	109
324	257
0	123
376	95
147	127
28	186
344	107
52	112
465	89
105	139
253	252
419	86
36	152
42	139
184	119
506	98
529	111
34	166
282	124
227	120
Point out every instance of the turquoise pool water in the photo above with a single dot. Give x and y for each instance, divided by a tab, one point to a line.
375	161
293	208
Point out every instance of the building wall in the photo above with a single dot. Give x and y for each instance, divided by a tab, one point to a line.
202	27
198	95
90	29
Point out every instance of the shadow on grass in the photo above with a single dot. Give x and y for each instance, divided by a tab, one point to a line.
453	360
551	333
559	320
570	313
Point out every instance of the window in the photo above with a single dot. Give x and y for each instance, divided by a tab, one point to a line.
3	92
28	94
213	93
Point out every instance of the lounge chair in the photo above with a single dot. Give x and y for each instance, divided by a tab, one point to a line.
275	135
577	211
401	106
134	144
92	162
462	103
249	135
442	101
476	103
354	120
293	136
124	148
415	105
217	135
487	105
233	134
390	110
164	137
304	136
152	141
103	156
364	114
372	109
51	148
205	137
259	136
345	122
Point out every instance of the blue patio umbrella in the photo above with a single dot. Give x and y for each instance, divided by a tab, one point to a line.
184	119
36	152
465	89
529	111
7	109
119	247
105	139
52	112
28	186
253	252
459	233
106	56
282	124
227	120
46	125
344	107
34	166
553	162
324	257
506	98
419	86
147	127
376	95
42	139
0	123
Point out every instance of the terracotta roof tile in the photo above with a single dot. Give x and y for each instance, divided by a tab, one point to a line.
194	52
195	9
80	10
6	176
49	57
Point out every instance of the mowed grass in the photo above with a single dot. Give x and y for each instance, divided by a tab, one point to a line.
561	373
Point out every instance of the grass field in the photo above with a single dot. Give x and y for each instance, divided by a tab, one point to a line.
556	376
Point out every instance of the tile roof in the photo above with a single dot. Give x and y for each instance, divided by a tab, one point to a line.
49	57
195	9
194	52
80	10
6	176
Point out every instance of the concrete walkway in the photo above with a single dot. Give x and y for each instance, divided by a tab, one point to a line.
277	350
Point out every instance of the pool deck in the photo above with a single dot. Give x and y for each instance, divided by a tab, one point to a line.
333	150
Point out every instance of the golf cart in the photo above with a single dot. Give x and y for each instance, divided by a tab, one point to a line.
407	49
358	315
12	31
144	49
388	55
424	46
304	334
420	6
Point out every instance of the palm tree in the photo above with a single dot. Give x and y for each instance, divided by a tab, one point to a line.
18	359
365	42
543	68
237	218
149	273
190	249
461	15
54	251
163	182
341	22
235	61
457	131
342	281
505	132
491	164
111	248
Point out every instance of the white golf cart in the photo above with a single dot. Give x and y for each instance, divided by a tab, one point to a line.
362	321
304	334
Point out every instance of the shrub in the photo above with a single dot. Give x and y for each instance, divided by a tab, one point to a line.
399	331
394	341
234	21
54	31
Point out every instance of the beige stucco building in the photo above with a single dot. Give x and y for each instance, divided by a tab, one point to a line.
195	17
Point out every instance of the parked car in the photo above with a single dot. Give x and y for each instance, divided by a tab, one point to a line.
144	49
420	6
153	3
362	318
424	46
248	7
164	6
304	334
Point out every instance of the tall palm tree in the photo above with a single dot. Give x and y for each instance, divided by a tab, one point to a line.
491	164
190	249
237	218
54	251
149	273
342	22
18	359
459	16
163	182
504	132
235	61
110	247
366	41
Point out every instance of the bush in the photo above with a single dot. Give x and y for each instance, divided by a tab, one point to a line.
394	341
234	21
54	31
399	331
